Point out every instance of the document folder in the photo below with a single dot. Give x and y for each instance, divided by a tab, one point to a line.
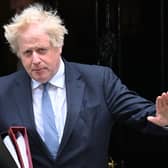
6	159
17	144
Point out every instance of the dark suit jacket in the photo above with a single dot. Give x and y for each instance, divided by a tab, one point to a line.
96	100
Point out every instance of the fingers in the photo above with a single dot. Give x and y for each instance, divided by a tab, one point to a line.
161	117
162	101
158	103
164	98
154	120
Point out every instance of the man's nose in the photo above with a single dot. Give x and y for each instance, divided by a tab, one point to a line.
36	58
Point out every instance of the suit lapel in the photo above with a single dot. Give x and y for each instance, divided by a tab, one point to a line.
74	91
24	102
23	98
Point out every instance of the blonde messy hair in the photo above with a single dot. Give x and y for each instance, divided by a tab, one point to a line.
50	21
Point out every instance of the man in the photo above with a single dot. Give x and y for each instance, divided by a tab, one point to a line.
87	100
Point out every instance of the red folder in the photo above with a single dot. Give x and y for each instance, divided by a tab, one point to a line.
13	135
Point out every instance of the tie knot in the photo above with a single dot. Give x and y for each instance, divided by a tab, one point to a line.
46	85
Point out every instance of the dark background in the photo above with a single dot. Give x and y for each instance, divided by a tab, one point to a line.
130	36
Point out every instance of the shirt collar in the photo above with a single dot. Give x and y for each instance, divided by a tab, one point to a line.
58	80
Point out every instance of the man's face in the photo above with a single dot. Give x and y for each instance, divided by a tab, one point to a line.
40	59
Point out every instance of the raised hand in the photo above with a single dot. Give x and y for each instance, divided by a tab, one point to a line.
161	117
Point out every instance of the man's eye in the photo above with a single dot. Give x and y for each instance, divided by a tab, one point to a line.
27	53
42	50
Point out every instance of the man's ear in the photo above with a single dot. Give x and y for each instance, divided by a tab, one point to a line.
60	50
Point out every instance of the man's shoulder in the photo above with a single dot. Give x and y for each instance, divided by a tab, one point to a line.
89	72
88	67
13	76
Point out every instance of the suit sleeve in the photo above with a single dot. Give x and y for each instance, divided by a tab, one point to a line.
125	105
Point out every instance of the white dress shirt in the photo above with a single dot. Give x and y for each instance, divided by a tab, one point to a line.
57	92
